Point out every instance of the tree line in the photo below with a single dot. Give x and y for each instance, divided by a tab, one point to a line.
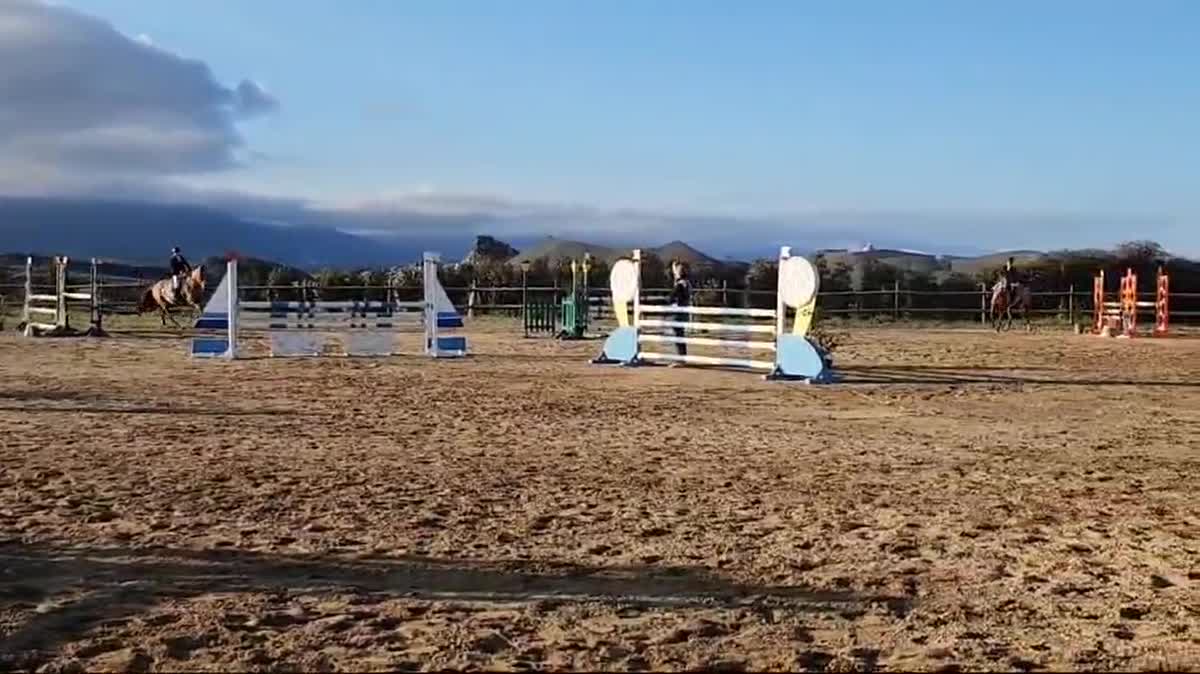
1057	270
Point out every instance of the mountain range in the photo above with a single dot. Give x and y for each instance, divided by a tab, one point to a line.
142	233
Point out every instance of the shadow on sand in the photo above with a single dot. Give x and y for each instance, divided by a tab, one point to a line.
62	402
918	374
111	585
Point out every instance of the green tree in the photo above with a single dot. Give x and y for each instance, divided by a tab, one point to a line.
1140	254
655	273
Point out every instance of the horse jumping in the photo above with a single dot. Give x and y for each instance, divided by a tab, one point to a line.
1002	308
163	297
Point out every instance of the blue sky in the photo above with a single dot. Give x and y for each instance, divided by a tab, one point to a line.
1062	123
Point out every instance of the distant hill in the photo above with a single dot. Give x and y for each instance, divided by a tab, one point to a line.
678	250
911	261
558	249
134	238
552	249
80	268
926	263
975	265
138	233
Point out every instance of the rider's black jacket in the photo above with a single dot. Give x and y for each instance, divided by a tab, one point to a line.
179	264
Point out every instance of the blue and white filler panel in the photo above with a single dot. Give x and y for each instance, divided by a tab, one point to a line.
306	327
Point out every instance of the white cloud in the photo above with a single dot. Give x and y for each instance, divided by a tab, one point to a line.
85	103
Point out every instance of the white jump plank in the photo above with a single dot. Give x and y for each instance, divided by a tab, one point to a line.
327	317
41	326
705	311
711	327
78	296
43	298
326	307
43	310
322	305
709	360
303	324
706	341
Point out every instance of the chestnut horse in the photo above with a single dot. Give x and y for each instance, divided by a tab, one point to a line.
162	296
1002	309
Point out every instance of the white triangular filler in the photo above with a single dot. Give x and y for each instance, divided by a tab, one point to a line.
219	302
441	301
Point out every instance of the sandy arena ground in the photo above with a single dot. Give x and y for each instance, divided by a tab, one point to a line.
965	501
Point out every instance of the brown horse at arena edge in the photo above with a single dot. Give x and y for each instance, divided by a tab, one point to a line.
162	296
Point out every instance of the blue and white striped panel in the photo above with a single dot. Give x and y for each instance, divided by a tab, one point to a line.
449	319
213	321
451	347
215	347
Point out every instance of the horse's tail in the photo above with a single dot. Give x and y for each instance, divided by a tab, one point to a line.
148	302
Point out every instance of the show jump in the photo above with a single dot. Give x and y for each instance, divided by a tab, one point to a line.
309	327
795	355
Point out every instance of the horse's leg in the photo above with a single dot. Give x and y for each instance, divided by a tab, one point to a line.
173	321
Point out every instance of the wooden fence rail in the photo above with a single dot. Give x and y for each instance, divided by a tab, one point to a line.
896	303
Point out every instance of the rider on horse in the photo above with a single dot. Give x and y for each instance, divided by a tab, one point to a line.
179	269
1010	280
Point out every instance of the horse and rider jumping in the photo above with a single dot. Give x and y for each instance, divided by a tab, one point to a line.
1009	296
184	288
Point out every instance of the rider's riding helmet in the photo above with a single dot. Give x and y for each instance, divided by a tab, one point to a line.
175	250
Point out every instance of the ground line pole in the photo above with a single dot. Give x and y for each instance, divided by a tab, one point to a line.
983	304
1071	305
